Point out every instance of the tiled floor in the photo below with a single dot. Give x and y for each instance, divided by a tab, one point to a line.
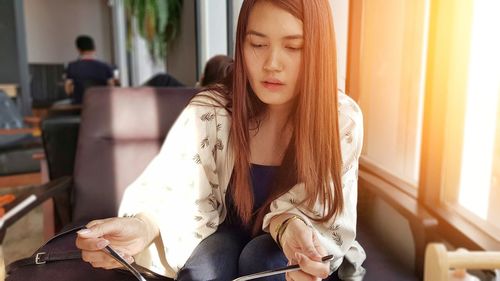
26	235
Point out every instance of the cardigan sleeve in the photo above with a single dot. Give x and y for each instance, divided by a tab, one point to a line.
179	190
338	234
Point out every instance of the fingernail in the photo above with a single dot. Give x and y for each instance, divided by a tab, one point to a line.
129	259
84	231
103	243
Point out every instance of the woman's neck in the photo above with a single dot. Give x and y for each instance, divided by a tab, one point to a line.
277	117
268	143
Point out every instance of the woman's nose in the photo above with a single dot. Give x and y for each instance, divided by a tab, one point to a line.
273	62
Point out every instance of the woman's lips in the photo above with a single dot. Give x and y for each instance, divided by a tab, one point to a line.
273	86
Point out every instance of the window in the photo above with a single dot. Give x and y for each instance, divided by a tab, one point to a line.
472	179
389	83
459	180
427	77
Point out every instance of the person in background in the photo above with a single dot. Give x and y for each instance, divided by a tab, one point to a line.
255	174
86	71
163	80
216	70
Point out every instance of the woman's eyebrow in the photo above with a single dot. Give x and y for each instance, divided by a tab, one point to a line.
253	32
288	37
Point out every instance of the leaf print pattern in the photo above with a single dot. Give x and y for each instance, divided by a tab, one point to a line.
337	238
349	137
213	202
198	218
219	126
209	116
197	235
205	143
335	234
213	185
211	224
197	158
219	145
316	213
275	204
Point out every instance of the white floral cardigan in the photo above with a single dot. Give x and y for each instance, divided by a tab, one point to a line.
183	190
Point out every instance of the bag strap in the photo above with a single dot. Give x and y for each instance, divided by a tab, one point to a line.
44	257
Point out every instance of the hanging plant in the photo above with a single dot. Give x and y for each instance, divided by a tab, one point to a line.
158	22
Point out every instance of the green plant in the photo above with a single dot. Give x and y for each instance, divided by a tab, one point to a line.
158	22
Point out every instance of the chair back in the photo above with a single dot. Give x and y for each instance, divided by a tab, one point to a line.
121	130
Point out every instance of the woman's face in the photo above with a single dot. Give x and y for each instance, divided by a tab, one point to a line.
273	53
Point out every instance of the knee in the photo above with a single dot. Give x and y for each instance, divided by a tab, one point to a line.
260	254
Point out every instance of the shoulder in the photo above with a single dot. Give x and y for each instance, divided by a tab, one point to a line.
350	130
102	64
350	115
71	64
210	100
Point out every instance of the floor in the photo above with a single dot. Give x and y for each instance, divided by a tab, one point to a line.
26	235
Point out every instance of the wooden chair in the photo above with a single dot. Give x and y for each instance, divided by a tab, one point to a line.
438	261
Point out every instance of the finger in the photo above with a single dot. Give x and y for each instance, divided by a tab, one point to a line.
91	244
101	257
301	275
106	264
314	268
96	256
99	228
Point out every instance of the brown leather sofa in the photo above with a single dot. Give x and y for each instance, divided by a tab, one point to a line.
121	130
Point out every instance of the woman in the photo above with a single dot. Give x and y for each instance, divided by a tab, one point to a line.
253	177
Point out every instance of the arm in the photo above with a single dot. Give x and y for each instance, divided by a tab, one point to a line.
111	82
68	86
337	236
176	191
173	203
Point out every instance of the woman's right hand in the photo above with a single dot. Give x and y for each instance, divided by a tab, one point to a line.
128	236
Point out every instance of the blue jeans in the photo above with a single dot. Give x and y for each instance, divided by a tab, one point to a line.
229	253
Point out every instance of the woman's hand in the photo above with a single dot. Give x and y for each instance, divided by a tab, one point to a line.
127	236
301	246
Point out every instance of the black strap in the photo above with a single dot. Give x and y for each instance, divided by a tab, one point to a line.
44	257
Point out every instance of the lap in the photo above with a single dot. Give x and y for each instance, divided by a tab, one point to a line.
229	253
216	257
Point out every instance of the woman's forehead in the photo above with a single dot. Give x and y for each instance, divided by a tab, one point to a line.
269	20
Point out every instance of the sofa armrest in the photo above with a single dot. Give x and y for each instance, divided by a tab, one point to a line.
28	201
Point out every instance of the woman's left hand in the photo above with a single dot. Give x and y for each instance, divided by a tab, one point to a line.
301	245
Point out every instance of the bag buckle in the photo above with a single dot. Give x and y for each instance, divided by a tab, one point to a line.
38	258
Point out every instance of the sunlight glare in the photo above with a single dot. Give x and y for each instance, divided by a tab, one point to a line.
480	116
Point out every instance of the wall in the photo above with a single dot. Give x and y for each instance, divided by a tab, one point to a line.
181	55
212	30
340	10
52	26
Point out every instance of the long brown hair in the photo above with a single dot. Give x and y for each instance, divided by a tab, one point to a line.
313	155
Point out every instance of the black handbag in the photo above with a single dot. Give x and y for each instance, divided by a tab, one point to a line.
59	259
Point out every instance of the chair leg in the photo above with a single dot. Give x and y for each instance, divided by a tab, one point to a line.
2	264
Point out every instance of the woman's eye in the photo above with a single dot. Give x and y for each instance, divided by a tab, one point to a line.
294	48
257	45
